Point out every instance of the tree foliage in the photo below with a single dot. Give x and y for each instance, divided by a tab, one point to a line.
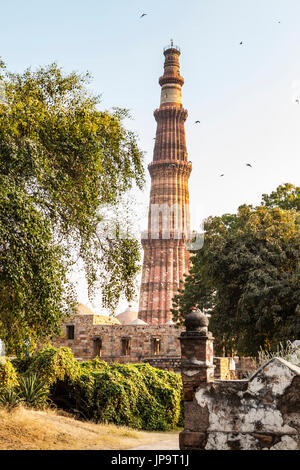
32	274
286	196
62	161
247	275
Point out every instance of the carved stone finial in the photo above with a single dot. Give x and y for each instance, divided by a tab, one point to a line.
196	321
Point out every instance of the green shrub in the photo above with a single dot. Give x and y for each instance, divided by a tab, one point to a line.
138	396
54	364
93	365
79	395
21	364
8	374
166	387
33	391
135	395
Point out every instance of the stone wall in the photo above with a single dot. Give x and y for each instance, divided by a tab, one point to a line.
244	367
140	348
262	412
172	364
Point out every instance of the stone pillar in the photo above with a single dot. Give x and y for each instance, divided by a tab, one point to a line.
197	370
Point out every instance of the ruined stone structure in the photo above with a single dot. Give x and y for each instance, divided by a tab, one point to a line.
90	336
166	258
126	338
262	412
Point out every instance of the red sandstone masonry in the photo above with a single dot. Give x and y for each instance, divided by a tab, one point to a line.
167	260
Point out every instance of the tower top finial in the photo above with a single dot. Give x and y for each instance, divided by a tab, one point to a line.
172	46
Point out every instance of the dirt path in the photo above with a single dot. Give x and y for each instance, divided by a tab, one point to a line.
170	444
169	441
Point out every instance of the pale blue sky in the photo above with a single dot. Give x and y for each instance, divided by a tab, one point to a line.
244	96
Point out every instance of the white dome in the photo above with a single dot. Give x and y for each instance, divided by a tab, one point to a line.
126	317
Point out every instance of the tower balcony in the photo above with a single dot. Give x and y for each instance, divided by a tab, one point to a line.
160	167
171	78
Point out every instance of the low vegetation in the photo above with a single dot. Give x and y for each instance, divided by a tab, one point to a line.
8	374
290	351
134	395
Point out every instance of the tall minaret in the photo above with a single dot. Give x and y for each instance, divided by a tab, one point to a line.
166	258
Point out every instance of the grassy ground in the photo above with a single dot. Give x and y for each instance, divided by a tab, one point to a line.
25	429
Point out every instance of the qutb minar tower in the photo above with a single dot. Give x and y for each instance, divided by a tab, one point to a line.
166	258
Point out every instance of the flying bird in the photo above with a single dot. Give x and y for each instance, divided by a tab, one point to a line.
197	122
221	175
248	164
297	101
241	43
143	14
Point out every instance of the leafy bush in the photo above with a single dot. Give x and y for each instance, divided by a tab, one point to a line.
21	364
135	395
138	396
54	364
8	374
33	391
94	365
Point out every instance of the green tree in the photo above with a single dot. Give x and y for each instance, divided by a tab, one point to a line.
33	278
247	275
286	196
62	161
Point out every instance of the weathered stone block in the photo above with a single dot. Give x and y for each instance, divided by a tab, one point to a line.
192	440
260	413
196	417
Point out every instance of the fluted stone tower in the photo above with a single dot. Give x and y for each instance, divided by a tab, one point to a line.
166	258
